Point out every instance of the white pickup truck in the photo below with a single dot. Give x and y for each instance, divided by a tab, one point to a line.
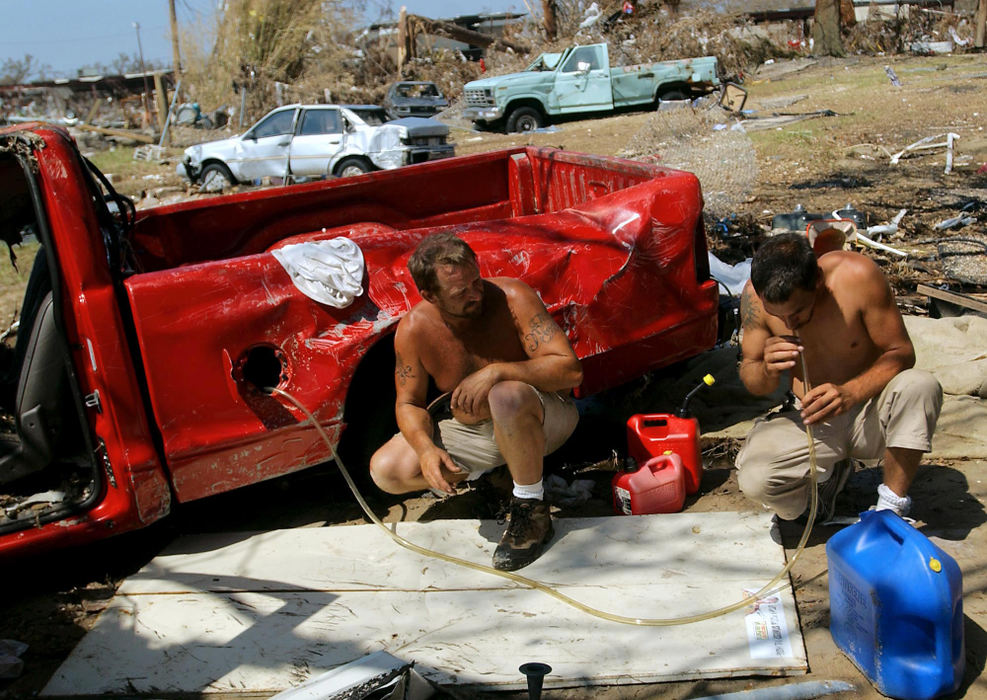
580	79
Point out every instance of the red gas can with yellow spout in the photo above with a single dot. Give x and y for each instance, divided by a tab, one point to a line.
656	487
653	434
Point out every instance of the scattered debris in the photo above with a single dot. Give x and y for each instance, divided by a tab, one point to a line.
11	664
952	298
964	258
892	75
794	691
568	494
926	144
888	229
955	222
369	677
149	152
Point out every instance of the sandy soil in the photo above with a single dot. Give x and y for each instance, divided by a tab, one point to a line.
822	163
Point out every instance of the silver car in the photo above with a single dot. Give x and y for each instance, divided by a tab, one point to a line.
298	142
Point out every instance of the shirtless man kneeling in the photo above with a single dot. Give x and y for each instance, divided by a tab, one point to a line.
507	368
864	399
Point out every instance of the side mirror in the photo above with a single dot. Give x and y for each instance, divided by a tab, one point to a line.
583	67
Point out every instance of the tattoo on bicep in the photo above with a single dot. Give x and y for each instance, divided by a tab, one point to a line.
748	312
541	329
402	370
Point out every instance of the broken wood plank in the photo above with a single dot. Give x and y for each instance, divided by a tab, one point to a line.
964	300
122	133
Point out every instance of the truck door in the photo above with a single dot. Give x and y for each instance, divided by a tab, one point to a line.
263	151
317	139
582	83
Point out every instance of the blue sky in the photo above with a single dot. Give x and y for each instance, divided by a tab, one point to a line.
68	34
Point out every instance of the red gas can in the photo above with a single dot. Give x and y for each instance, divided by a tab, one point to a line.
653	434
656	487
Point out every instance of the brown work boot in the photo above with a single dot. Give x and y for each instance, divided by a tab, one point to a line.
831	488
529	528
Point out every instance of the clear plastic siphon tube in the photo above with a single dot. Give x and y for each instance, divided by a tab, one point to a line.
545	588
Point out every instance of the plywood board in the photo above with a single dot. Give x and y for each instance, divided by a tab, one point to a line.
262	612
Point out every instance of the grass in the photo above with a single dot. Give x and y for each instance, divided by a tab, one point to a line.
13	282
133	177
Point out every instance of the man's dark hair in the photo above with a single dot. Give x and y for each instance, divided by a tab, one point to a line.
783	264
437	249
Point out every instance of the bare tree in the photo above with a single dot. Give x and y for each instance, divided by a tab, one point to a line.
550	21
826	28
14	71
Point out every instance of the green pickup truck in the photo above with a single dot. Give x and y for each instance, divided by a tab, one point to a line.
580	79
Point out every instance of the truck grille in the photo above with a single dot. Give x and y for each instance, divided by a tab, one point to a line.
427	141
478	98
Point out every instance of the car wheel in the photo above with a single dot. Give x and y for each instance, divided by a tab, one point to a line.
524	119
216	177
348	167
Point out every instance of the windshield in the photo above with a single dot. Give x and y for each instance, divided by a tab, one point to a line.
371	116
547	61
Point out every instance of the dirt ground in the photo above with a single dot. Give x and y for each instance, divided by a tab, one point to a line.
822	162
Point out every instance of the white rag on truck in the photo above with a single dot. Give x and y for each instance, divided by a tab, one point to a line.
331	272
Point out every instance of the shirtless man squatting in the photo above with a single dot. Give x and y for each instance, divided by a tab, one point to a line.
507	368
864	399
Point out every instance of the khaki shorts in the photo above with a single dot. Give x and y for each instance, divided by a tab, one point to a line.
474	448
773	466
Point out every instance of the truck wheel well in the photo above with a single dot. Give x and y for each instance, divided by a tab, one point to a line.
525	115
672	91
369	410
525	102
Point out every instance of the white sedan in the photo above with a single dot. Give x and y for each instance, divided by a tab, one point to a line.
314	141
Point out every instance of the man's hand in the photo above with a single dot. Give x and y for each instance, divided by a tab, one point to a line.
781	352
825	401
469	399
432	463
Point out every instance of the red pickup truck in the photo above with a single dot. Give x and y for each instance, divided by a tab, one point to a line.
147	339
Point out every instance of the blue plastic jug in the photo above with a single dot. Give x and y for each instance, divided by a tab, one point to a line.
896	607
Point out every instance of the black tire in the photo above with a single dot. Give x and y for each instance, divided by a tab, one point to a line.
348	167
524	119
216	177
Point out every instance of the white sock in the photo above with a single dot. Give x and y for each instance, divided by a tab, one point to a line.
535	491
889	500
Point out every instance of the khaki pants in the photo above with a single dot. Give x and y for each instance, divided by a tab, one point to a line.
773	466
474	448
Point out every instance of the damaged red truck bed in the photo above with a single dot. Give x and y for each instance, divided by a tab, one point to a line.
140	380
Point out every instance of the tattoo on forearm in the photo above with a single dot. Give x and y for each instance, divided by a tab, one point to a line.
748	314
541	329
402	371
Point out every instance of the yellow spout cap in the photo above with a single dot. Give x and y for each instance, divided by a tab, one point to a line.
709	380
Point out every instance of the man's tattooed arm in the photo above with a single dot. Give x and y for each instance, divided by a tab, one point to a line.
541	329
402	370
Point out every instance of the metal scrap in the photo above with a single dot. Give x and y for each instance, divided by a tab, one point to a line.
928	143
